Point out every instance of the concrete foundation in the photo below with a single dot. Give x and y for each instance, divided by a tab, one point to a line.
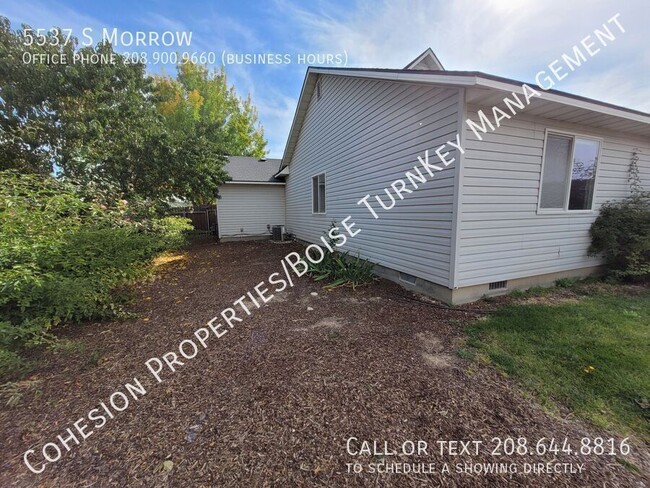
425	287
245	238
473	293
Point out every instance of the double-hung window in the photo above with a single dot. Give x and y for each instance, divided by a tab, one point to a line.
569	172
318	194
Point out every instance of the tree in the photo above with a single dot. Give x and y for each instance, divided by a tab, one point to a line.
112	126
199	99
29	126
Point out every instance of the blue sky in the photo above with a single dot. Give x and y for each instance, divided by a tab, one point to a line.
509	38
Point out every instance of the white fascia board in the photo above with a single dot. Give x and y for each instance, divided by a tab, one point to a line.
564	100
391	76
296	116
254	183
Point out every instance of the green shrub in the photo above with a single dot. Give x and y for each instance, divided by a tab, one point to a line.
341	268
63	254
11	364
565	282
622	234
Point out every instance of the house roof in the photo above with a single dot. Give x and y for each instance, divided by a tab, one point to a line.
244	169
426	60
482	89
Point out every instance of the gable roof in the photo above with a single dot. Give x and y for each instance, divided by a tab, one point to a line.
244	169
426	61
485	87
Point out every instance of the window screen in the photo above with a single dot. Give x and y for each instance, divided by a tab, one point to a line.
556	171
318	193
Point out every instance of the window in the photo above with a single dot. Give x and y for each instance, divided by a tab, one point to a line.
318	194
569	173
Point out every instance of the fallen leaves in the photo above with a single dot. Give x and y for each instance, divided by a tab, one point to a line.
164	467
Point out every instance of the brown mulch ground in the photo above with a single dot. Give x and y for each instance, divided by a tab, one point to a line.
273	402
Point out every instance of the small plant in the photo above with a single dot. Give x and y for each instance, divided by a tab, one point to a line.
565	282
536	290
465	353
67	346
13	393
341	269
11	364
93	359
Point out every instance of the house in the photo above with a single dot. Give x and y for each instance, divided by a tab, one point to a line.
253	201
509	209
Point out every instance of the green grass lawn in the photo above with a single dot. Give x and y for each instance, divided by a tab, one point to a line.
592	355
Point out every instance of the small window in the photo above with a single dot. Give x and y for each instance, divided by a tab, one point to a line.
569	174
318	193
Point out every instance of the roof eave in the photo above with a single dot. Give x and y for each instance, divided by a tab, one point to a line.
466	79
249	182
308	86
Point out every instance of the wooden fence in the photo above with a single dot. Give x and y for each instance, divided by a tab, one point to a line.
204	218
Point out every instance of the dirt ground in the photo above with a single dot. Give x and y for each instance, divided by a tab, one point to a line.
274	401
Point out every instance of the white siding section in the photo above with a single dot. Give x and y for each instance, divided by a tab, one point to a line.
501	236
249	207
364	134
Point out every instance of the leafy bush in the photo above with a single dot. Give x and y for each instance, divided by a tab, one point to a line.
565	282
622	234
62	255
11	364
341	268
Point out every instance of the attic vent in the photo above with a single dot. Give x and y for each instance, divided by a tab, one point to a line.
498	285
407	278
318	90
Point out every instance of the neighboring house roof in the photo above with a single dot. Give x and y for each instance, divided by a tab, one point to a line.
483	89
244	169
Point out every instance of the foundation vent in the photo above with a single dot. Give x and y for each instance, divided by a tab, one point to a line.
498	285
407	278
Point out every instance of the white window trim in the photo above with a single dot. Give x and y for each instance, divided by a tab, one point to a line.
565	210
311	182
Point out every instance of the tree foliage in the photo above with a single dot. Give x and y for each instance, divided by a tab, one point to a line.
114	126
200	108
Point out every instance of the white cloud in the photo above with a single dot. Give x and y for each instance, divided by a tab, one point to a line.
503	37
